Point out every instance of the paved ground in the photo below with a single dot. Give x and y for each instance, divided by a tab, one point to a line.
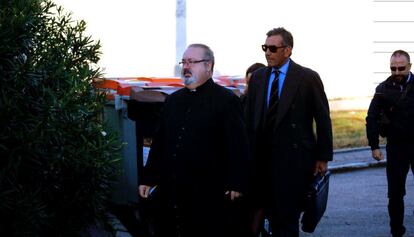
357	205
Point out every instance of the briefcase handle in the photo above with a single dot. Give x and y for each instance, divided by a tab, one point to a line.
319	181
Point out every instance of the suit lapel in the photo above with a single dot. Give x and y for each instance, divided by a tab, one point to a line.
290	87
262	99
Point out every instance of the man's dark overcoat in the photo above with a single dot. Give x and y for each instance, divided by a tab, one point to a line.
284	161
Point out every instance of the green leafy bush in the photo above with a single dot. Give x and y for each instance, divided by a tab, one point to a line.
57	157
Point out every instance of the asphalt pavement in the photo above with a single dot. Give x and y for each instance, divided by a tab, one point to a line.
357	205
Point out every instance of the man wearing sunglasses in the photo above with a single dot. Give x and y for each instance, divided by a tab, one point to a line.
199	156
284	100
395	98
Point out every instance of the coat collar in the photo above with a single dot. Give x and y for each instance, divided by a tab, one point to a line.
262	86
290	87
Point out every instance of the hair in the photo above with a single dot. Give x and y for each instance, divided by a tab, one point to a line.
254	67
208	53
286	35
401	52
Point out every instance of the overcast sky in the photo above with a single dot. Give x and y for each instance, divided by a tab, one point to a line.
347	42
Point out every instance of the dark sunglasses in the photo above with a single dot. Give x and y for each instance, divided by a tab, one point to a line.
272	48
399	68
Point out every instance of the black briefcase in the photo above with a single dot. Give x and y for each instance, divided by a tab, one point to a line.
316	201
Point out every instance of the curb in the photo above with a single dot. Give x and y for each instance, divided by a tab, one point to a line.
356	166
119	228
363	148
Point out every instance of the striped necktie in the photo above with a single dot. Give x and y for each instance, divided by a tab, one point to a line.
274	90
274	98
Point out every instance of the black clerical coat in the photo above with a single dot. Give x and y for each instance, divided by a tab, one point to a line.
199	152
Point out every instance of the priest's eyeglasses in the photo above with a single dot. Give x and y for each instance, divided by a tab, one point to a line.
191	62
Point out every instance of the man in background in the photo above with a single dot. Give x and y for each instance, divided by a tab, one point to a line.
247	77
394	98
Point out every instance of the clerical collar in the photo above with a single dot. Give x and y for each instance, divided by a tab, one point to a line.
202	86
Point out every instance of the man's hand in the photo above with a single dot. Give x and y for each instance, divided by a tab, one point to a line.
377	155
234	195
144	191
320	167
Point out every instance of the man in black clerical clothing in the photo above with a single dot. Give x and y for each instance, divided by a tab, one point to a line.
284	101
199	155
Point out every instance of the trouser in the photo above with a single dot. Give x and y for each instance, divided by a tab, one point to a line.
285	206
400	156
256	223
286	225
188	220
290	172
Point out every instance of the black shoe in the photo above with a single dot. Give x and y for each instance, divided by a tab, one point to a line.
398	232
398	235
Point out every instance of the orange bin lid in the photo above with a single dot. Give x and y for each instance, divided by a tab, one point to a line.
122	85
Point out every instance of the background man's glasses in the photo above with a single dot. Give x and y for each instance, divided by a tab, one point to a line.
272	48
190	63
399	68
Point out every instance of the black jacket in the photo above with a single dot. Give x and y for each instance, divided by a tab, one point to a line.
401	113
